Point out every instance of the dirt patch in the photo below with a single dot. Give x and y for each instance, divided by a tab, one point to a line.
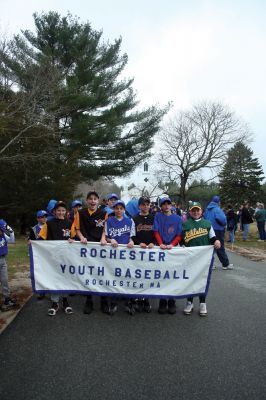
20	287
251	254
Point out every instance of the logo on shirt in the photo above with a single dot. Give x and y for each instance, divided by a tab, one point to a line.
119	231
66	233
99	223
195	233
171	229
143	227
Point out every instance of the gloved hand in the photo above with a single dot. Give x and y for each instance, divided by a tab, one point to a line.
5	228
8	229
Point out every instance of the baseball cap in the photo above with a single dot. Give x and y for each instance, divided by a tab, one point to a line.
41	213
119	202
60	204
216	199
143	200
2	223
112	196
76	203
195	204
92	193
164	200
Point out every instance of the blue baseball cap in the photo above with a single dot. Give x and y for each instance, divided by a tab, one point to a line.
119	202
41	213
165	200
2	223
112	196
76	203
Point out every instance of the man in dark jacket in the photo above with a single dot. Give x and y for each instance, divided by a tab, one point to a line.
246	219
216	216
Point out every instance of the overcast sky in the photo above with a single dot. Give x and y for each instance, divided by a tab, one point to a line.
182	51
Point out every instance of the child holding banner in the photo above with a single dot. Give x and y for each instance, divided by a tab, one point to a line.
145	239
58	228
197	231
167	229
89	224
35	230
118	229
34	234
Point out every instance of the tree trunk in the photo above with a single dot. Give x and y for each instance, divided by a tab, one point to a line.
183	192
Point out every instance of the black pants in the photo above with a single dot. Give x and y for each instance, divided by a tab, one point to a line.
221	252
202	299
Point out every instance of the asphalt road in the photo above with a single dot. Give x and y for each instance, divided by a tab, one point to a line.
145	357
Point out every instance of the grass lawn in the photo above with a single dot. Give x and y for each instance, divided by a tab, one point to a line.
251	243
17	259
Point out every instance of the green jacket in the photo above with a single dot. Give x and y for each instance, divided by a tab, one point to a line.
260	215
196	233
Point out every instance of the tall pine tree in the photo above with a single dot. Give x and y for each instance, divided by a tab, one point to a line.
66	115
241	176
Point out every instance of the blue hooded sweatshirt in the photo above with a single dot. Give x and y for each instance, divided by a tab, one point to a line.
216	216
50	208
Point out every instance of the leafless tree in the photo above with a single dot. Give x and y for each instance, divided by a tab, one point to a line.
198	139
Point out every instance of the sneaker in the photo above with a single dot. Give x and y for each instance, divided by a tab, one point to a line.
112	309
229	266
139	305
171	306
88	307
214	267
66	306
53	310
162	306
202	310
146	306
189	308
40	296
8	304
130	308
105	306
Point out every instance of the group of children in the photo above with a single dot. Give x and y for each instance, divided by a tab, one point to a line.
111	224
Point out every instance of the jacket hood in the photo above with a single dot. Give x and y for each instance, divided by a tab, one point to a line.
211	205
51	206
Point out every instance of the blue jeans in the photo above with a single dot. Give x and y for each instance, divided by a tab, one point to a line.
4	277
221	252
261	229
245	231
232	236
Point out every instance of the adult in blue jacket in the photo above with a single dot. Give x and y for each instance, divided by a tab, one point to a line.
217	217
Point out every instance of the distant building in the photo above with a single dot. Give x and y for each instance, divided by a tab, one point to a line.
142	182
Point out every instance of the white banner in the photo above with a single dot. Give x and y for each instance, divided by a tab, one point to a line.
62	267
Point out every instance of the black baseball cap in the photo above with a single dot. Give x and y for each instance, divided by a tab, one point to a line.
143	200
92	193
60	204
